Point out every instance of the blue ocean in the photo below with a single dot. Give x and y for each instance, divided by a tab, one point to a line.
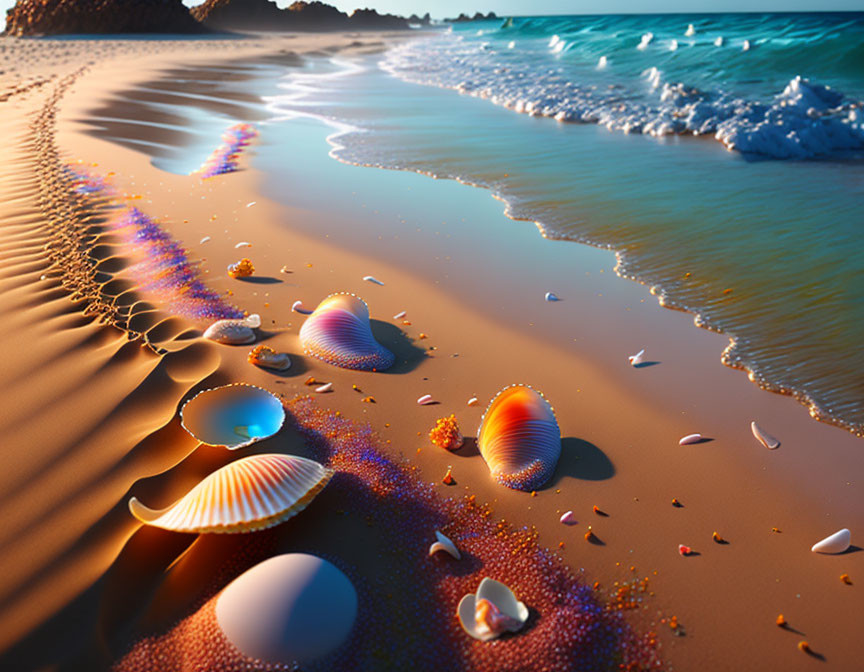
721	157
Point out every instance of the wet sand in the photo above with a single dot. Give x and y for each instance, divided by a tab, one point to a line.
92	416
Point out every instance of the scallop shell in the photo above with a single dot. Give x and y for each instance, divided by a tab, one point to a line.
234	332
249	494
338	332
232	416
519	438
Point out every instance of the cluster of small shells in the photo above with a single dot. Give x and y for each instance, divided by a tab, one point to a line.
445	434
571	626
241	269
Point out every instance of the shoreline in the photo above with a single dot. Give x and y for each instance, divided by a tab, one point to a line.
615	456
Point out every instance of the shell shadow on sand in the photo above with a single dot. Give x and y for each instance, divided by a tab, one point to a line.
408	354
581	460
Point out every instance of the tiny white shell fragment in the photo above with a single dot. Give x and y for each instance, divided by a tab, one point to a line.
399	316
473	401
43	277
551	297
324	388
444	544
297	307
690	438
372	279
205	239
251	203
638	358
242	243
568	518
425	399
764	437
837	543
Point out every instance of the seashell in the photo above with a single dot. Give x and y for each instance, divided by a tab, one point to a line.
243	243
473	401
373	280
445	434
781	621
763	437
845	579
290	611
399	316
638	358
298	307
425	400
684	550
251	203
837	543
234	332
519	438
568	518
448	477
690	438
266	357
249	494
492	611
444	544
241	269
233	416
205	239
338	332
327	387
551	297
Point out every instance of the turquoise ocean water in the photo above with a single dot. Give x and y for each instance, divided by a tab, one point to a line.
720	156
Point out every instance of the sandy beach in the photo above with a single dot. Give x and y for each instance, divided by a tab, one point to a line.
90	416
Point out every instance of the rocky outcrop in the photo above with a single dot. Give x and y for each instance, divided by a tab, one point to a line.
315	16
240	15
415	20
68	17
369	19
479	16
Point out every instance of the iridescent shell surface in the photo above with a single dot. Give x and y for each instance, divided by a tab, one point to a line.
249	494
232	416
519	438
338	332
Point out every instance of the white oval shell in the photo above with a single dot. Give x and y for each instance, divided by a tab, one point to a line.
690	438
764	437
249	494
233	332
290	609
499	595
837	543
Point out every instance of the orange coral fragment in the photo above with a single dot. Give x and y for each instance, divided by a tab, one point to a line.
368	400
241	269
445	434
804	646
845	579
781	621
448	478
312	381
716	537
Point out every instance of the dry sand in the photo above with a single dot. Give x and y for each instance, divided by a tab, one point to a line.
89	417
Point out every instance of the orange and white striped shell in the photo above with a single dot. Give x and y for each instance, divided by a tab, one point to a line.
338	332
519	438
249	494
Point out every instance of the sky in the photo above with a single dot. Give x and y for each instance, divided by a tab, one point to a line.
442	8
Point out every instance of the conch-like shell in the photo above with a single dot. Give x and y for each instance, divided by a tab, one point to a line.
232	416
444	544
519	438
252	493
837	543
338	332
493	611
234	332
266	357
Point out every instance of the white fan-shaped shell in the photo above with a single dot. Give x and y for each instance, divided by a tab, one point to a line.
234	332
233	416
837	543
519	438
249	494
